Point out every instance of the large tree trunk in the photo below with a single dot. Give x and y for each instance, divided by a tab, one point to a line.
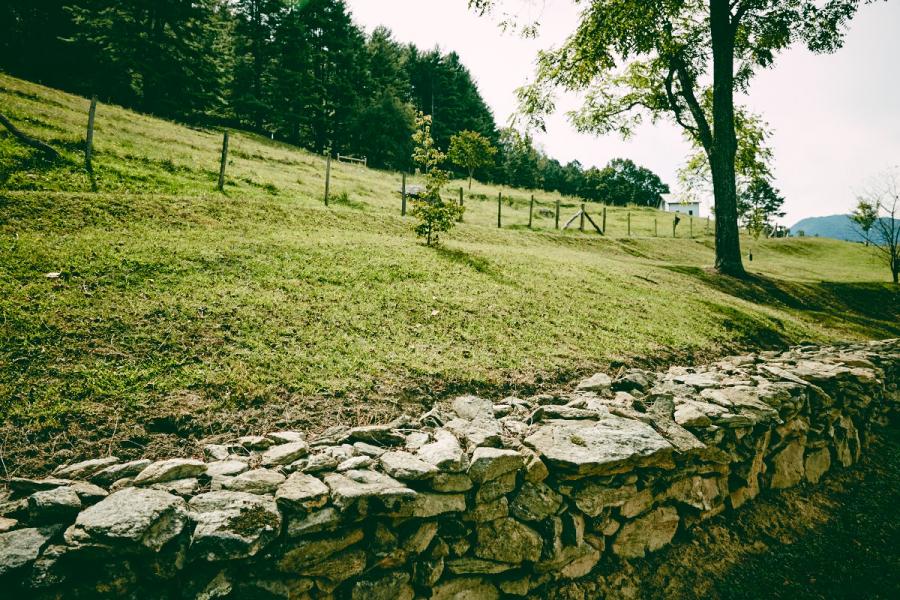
724	143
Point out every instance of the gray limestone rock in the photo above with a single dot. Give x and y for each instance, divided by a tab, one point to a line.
407	467
170	470
21	547
611	445
646	534
535	502
59	505
232	525
507	540
112	473
362	487
302	492
393	586
145	517
284	454
84	469
256	481
491	463
445	453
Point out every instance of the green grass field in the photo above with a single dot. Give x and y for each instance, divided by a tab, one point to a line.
182	313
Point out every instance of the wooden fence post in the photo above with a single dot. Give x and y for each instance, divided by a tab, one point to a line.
655	230
499	210
531	211
403	195
629	224
327	176
604	220
224	161
462	204
557	214
674	225
89	143
581	221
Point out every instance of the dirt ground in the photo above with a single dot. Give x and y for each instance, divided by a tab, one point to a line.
837	540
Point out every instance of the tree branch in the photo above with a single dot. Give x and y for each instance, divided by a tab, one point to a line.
28	140
676	108
687	92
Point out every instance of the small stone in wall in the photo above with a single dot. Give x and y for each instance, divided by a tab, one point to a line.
21	547
472	408
255	442
647	534
311	552
600	383
491	463
465	588
85	469
327	519
59	505
451	482
445	453
406	467
787	465
301	492
352	487
816	464
170	470
535	502
507	540
284	454
226	468
256	481
232	525
393	586
493	489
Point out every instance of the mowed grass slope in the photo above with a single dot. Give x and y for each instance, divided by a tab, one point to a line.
182	313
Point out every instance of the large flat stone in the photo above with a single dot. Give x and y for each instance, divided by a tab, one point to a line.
611	445
364	487
146	517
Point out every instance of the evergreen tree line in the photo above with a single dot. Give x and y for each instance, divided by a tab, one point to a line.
300	71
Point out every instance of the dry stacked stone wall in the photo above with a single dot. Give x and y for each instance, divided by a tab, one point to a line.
479	500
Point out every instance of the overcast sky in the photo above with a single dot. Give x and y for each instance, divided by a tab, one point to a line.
836	118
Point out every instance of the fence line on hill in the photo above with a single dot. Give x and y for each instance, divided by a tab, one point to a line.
406	192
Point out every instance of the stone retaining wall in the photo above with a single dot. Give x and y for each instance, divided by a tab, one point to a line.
480	501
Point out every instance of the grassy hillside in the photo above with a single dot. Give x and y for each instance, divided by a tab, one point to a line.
182	313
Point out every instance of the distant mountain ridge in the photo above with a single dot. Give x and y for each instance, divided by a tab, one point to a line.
839	227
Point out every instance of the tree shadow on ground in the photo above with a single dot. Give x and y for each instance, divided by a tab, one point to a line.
868	308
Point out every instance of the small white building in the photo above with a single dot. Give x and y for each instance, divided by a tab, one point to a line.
686	207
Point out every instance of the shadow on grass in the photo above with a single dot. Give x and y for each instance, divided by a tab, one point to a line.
472	261
871	309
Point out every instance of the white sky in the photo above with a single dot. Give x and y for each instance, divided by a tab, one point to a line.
836	118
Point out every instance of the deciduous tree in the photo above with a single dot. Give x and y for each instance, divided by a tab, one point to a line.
435	215
682	60
471	150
